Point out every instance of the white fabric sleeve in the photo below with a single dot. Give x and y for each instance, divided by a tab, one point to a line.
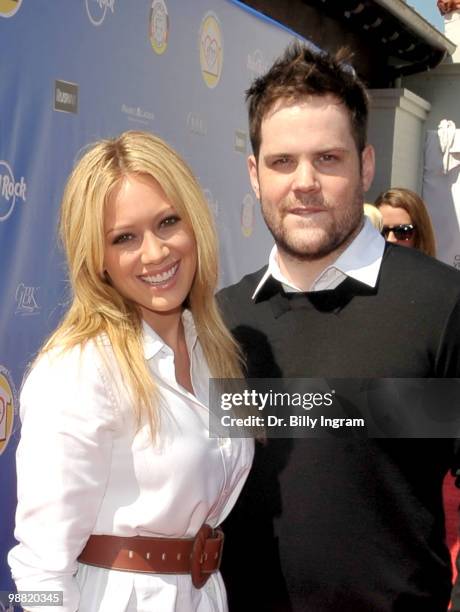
69	415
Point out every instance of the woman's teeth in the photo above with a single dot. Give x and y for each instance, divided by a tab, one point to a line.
158	279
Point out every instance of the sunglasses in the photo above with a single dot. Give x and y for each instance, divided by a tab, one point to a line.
401	232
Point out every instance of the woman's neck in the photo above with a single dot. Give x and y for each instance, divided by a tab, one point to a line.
168	325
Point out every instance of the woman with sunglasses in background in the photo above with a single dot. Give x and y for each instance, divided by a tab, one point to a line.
406	220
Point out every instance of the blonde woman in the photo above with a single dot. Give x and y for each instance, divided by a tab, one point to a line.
120	487
374	215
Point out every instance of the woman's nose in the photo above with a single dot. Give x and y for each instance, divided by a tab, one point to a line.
391	237
154	249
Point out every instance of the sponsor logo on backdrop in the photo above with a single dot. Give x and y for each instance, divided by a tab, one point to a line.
247	215
65	97
196	124
211	49
11	190
241	139
456	263
26	300
138	114
212	202
8	8
159	26
97	10
7	407
257	64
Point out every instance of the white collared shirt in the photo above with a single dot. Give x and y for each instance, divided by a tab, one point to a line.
83	469
361	260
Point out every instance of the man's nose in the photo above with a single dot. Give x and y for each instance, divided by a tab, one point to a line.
154	249
305	178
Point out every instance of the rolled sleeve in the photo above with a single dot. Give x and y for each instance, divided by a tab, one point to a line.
69	417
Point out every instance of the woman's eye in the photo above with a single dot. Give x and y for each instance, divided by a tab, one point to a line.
122	238
169	221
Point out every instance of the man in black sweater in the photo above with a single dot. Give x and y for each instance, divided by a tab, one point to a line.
338	524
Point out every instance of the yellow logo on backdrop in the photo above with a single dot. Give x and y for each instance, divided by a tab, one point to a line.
159	26
247	216
9	7
7	399
211	49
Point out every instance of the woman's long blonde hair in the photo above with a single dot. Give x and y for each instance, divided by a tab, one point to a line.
97	308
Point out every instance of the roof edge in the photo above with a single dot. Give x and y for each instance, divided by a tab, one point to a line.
418	24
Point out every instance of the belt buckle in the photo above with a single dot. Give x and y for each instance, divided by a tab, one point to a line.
199	578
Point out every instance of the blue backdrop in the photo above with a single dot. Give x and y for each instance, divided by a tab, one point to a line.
75	71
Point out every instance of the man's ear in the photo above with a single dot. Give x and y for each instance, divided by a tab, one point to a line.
367	166
253	175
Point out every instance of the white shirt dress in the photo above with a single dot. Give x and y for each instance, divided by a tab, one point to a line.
83	469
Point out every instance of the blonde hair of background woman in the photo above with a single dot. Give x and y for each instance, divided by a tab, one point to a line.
97	308
399	197
374	215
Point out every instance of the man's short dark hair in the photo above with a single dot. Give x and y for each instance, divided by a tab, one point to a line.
301	72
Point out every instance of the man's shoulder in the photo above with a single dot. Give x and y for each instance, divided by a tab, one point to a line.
235	301
422	268
243	288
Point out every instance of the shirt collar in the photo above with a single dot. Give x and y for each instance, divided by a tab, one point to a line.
153	344
361	260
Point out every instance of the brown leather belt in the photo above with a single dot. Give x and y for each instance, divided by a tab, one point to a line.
199	556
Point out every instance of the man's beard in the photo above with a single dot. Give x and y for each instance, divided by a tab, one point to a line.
317	242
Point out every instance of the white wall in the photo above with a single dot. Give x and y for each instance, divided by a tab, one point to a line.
396	129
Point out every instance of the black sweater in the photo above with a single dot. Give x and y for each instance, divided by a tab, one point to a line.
343	525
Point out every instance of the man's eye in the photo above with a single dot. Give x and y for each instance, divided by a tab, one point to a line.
328	158
281	161
282	164
121	238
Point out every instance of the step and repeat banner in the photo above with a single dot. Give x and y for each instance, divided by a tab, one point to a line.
76	71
